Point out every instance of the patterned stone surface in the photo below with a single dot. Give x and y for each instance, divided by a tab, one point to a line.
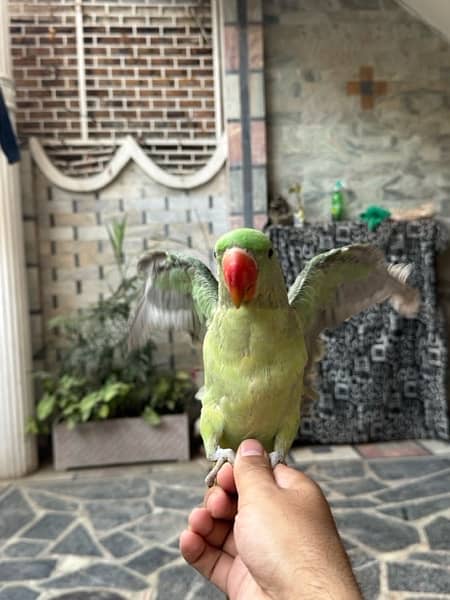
438	534
415	577
99	575
376	532
78	542
396	537
20	570
48	527
15	512
121	544
18	592
107	517
151	560
389	155
24	549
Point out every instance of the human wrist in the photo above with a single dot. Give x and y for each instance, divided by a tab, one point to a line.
318	585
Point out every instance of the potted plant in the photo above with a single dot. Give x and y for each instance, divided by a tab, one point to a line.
104	404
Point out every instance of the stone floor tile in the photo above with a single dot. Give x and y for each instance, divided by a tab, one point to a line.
415	577
26	569
368	577
359	557
105	516
382	535
439	558
168	497
48	527
18	592
433	485
15	513
356	487
352	503
78	542
107	489
151	560
159	527
121	544
427	597
50	502
98	575
436	446
438	534
89	595
408	468
340	469
177	582
410	511
23	549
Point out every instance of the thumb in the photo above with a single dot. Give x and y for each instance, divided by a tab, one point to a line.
252	471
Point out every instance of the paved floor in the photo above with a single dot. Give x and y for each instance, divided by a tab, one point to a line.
113	534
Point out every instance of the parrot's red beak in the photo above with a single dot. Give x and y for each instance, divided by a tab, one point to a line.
240	272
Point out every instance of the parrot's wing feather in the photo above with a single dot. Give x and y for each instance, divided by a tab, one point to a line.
340	283
180	293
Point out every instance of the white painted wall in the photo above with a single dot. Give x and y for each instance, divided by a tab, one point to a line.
434	12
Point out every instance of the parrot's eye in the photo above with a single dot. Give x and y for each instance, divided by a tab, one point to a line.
215	254
270	253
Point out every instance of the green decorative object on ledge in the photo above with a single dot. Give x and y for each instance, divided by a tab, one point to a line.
338	202
374	216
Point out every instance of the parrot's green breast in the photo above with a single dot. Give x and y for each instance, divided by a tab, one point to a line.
254	361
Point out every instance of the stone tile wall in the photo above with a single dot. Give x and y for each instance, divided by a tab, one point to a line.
69	260
388	138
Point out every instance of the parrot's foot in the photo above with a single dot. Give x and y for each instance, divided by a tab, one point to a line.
221	456
276	458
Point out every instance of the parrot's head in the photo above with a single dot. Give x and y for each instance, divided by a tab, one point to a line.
246	262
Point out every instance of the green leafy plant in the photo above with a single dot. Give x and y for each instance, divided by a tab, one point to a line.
97	377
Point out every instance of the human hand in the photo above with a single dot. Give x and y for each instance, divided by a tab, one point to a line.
267	534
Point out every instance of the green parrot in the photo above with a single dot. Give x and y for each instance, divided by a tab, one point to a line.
261	341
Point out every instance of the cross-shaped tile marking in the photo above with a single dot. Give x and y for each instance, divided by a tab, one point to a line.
367	88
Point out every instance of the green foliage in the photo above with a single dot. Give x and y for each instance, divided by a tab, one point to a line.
97	377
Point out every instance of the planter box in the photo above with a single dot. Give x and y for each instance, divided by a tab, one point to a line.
120	441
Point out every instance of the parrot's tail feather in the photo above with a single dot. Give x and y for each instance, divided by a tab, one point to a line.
406	300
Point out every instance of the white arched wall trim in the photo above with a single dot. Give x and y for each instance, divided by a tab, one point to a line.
129	150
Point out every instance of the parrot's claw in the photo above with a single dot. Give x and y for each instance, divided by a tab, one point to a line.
221	456
276	458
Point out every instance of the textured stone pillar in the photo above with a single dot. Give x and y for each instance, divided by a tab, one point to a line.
17	451
245	112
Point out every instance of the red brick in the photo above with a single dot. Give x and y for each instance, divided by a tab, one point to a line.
255	46
123	68
234	144
258	141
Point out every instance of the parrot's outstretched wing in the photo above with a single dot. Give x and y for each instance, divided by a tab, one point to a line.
180	293
340	283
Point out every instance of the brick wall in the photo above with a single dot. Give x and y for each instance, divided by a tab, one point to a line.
149	73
